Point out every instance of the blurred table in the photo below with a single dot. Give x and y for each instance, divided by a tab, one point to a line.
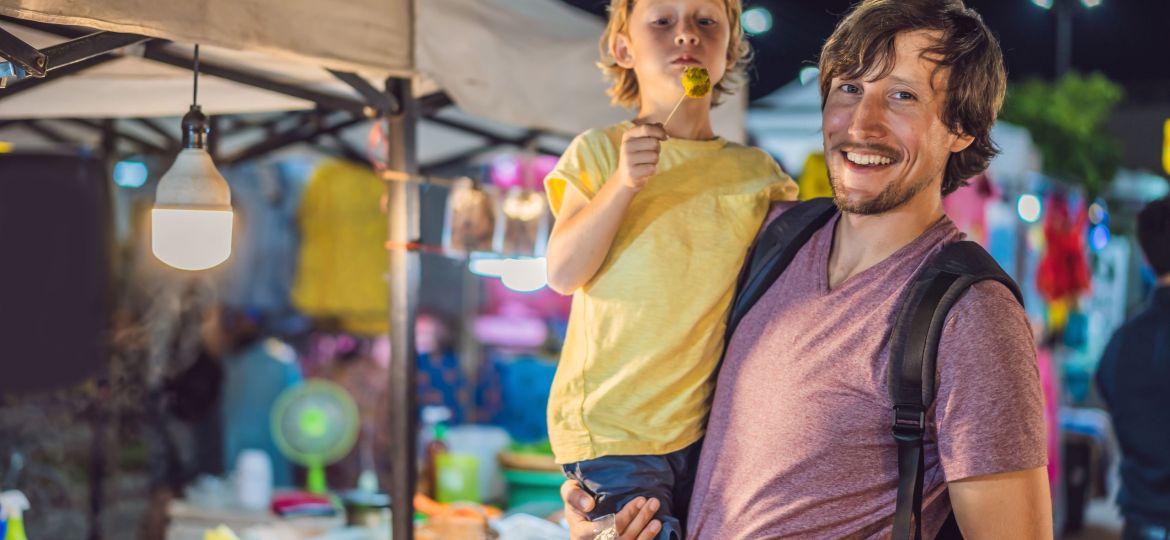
189	522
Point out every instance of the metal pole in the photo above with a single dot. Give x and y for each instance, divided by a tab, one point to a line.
100	414
404	265
1064	23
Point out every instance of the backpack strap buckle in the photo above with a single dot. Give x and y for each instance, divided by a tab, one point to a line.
909	422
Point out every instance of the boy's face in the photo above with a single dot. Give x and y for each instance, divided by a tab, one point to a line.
885	141
664	37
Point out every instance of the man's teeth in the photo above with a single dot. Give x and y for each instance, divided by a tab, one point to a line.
867	159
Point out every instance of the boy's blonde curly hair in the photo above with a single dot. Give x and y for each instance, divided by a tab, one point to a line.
624	91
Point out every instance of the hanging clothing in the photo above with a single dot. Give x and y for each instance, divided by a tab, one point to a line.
1063	271
260	272
342	267
252	380
967	207
814	178
366	379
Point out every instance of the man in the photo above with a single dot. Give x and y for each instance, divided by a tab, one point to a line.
1133	378
798	442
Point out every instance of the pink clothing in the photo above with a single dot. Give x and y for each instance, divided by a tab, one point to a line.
1049	383
798	442
967	206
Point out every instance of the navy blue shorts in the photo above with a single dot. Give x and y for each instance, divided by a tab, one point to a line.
614	481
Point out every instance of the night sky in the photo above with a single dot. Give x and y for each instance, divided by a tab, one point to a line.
1125	39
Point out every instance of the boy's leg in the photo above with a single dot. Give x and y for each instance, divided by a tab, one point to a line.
614	481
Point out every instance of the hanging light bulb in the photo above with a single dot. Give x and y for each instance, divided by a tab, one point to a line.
191	223
525	275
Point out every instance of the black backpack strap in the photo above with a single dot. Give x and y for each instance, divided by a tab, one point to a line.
913	357
775	248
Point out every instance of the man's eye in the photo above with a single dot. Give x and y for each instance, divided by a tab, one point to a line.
904	96
849	88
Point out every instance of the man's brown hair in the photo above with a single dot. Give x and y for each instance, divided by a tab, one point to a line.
863	46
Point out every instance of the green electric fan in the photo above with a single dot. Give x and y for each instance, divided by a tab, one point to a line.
315	424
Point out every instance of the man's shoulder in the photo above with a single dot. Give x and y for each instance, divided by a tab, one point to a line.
1145	326
988	311
1152	316
987	299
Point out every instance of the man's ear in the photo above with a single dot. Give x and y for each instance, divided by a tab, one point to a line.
622	55
962	142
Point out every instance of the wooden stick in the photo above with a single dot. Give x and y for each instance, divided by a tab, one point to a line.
674	110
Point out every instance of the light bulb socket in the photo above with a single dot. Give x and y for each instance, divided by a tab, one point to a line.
195	128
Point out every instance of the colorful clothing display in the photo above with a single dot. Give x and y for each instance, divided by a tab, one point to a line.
1051	385
252	380
513	392
441	381
967	207
260	272
341	271
1063	272
814	178
366	378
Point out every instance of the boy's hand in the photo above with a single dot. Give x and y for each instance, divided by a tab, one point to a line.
635	521
639	155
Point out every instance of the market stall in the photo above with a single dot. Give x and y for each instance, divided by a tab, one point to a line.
517	64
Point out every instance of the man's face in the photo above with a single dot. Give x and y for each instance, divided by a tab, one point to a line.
664	37
885	142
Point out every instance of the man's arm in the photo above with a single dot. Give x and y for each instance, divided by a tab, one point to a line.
990	418
1006	505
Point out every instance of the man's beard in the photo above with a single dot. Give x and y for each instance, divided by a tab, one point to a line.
894	195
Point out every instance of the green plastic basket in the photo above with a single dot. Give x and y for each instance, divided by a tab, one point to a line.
533	486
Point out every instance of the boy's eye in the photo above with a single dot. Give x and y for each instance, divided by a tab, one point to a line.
849	88
661	21
704	21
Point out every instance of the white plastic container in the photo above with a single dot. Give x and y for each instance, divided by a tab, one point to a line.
485	443
254	479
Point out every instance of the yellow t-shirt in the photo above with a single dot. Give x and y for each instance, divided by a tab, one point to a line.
645	334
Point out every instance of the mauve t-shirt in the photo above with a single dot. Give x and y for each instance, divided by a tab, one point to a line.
798	443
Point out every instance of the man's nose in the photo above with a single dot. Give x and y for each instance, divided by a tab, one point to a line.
869	118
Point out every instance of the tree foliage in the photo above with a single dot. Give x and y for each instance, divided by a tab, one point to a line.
1067	122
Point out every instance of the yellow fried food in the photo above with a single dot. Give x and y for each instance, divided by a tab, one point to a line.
220	533
696	82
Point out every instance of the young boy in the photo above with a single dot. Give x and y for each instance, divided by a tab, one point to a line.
653	224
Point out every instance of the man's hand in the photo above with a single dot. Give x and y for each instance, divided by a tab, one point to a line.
638	156
635	521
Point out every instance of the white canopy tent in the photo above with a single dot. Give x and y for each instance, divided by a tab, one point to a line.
522	63
525	63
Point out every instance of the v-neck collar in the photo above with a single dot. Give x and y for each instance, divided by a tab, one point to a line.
824	248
